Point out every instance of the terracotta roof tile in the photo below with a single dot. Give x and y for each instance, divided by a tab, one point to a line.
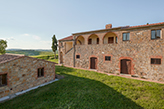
67	38
9	57
147	25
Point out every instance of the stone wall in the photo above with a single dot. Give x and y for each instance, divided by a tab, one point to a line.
68	58
139	49
22	74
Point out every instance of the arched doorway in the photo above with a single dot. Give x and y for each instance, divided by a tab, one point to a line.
93	39
61	57
93	63
125	66
110	38
80	40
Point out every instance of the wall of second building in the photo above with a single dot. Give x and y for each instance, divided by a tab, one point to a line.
139	49
22	74
66	53
68	45
68	58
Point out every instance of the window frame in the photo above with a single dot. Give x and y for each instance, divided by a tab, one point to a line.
6	82
106	61
97	40
111	41
89	41
39	73
106	57
155	61
156	34
126	39
77	57
116	40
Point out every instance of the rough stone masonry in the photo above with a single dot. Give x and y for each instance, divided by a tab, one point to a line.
132	50
22	73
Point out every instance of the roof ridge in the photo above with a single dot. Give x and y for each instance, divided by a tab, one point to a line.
14	54
67	38
147	25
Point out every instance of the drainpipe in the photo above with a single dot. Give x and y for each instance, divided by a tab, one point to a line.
74	39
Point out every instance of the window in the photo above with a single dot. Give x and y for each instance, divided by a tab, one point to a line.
40	72
110	40
107	58
155	34
116	39
3	80
77	56
126	36
97	40
90	41
155	61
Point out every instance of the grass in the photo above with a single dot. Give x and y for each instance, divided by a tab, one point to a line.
47	57
82	89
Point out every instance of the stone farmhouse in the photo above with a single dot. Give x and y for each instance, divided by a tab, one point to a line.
130	50
19	72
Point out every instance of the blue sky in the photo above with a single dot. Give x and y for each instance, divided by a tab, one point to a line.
30	24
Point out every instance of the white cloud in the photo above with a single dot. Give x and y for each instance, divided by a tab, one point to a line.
46	42
36	37
33	36
26	35
2	38
8	39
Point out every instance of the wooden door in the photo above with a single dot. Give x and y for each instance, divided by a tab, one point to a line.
125	66
93	63
128	63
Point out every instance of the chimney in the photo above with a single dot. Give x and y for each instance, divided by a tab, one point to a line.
108	26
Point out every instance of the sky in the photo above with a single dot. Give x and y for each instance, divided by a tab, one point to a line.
30	24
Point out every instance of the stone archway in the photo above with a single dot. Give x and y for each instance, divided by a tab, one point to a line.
110	38
80	40
93	39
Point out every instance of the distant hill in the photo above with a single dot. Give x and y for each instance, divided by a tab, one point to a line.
30	52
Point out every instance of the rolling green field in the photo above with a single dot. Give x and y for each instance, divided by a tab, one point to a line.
47	57
30	52
41	54
82	89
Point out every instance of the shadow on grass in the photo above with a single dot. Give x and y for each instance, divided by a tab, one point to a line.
72	92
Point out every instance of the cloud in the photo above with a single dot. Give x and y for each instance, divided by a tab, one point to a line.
46	42
2	38
8	39
36	37
33	36
26	34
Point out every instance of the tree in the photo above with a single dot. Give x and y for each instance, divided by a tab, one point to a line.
54	45
3	45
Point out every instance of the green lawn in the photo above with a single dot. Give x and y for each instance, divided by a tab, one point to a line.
82	89
47	57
